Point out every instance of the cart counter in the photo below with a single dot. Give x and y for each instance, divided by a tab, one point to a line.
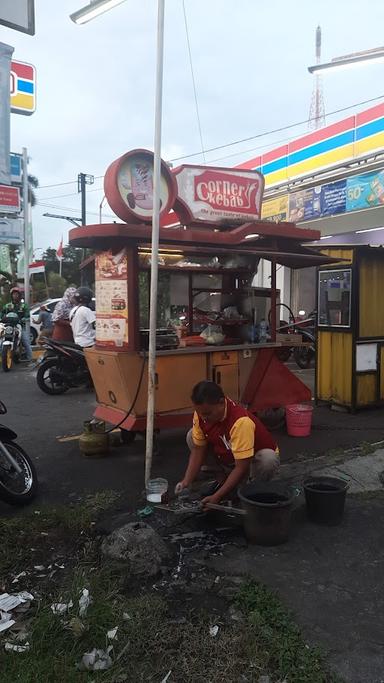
120	378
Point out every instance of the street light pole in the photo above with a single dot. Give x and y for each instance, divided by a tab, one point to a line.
365	56
155	241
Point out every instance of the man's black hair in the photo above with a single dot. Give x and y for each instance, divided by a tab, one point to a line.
207	392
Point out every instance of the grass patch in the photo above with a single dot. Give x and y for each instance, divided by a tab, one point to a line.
29	536
156	633
289	657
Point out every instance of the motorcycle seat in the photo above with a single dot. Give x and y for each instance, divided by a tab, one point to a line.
71	345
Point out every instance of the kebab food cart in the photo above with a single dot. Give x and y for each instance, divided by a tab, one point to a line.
212	320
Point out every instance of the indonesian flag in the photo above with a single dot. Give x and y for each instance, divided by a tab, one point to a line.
59	252
36	267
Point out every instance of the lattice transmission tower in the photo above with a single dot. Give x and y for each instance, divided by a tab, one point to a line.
317	109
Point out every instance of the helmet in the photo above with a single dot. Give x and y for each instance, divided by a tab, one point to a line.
15	289
83	295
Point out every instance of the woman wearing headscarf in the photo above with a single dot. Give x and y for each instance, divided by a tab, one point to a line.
62	330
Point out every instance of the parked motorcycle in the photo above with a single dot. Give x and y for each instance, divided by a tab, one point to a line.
303	355
63	367
18	478
10	340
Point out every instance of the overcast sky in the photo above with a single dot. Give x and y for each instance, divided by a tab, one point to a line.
95	84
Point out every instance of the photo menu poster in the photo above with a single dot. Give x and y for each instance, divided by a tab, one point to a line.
111	300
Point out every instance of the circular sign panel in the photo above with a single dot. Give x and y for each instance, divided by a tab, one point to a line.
128	187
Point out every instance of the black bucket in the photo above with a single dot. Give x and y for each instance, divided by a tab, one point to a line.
268	508
325	499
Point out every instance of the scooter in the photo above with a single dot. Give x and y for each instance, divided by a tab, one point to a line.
62	367
10	340
18	478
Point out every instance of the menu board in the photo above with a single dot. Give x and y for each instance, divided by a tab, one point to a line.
112	300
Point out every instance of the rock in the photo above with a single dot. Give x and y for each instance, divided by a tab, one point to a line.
138	546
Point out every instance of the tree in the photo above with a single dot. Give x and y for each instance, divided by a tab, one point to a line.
33	184
72	258
56	285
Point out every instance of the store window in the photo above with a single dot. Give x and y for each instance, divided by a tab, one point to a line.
335	298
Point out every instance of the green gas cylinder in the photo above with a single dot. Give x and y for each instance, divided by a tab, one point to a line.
94	441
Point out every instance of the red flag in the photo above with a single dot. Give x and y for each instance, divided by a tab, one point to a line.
59	252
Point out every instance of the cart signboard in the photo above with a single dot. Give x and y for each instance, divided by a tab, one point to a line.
112	300
128	186
218	195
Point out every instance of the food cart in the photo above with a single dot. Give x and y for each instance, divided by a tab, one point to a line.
212	320
350	329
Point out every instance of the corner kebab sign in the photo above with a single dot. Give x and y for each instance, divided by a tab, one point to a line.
196	193
218	195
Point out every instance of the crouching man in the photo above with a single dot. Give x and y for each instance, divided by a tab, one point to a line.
240	443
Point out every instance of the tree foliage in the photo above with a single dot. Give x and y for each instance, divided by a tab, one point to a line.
72	258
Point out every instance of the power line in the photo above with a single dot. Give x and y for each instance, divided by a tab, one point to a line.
193	81
72	210
238	142
72	194
275	130
66	182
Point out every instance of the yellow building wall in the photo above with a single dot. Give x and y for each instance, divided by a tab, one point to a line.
334	367
371	297
365	389
345	254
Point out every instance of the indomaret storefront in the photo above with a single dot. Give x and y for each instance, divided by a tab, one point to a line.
332	180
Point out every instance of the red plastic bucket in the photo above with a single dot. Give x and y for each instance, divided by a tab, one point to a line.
299	419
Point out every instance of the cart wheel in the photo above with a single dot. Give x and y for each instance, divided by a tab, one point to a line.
272	418
127	437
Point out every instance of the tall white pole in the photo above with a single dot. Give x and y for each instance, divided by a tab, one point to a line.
155	241
26	232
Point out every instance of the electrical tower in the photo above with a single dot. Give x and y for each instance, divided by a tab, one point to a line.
317	110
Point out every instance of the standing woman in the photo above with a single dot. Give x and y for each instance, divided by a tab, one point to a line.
62	330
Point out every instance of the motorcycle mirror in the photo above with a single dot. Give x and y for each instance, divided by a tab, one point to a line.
3	408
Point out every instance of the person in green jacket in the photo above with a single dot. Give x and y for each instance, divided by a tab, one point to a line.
16	305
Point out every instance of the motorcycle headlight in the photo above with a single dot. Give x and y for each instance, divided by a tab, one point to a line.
8	330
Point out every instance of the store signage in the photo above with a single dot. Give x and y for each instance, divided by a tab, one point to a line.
23	88
128	187
365	191
218	195
9	199
11	231
275	209
343	196
15	168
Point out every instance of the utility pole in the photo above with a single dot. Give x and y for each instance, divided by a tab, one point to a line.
26	232
84	179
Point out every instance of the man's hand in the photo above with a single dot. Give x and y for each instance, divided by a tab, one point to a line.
180	487
209	499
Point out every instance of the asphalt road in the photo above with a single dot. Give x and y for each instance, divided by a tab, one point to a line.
41	422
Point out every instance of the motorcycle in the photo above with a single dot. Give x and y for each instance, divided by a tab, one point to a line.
18	478
10	340
63	367
303	355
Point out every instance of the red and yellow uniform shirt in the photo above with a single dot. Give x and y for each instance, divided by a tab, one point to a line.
238	435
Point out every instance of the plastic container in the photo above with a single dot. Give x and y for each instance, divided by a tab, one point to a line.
156	490
299	419
268	510
325	499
